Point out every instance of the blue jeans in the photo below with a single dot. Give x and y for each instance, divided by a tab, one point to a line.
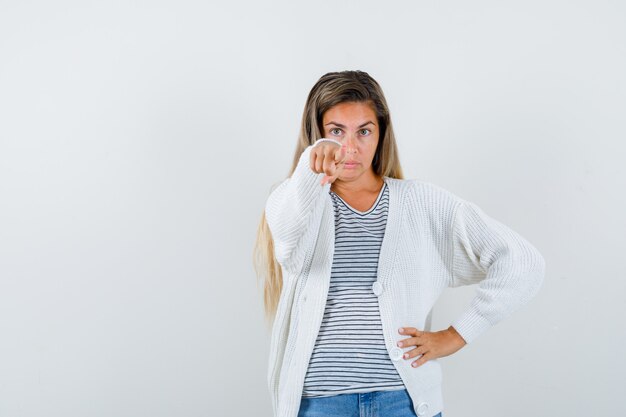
395	403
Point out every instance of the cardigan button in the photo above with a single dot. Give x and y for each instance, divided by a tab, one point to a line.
377	288
396	353
422	408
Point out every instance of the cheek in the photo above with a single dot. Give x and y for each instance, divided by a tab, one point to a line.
372	150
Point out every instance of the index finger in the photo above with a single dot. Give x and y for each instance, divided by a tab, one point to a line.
410	331
340	154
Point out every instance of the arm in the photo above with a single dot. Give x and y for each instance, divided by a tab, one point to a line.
508	270
293	207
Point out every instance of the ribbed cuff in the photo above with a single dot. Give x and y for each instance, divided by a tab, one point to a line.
470	325
327	140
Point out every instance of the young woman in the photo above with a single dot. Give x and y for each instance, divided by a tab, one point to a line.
354	258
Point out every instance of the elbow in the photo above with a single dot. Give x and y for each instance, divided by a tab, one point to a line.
538	263
541	270
528	267
535	273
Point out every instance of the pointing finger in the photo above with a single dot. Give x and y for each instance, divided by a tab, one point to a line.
340	154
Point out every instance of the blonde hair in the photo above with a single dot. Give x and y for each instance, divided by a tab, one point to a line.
331	89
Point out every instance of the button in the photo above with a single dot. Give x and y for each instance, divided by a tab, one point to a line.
396	353
377	288
422	408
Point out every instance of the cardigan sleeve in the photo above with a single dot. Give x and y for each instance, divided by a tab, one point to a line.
508	269
292	208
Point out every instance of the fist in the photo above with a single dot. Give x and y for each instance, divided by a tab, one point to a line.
328	158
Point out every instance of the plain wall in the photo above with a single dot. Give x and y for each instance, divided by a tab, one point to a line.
139	142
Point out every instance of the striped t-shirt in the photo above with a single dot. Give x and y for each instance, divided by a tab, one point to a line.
350	354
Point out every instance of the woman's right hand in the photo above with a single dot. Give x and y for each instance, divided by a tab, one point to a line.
329	158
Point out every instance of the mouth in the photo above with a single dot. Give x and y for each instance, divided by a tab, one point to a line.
350	164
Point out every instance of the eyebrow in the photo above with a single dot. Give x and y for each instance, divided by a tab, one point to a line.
340	125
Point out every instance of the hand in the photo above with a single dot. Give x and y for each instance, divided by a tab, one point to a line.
329	158
430	345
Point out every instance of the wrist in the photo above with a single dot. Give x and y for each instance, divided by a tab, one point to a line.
456	335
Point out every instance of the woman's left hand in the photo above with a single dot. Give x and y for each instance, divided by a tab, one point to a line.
430	345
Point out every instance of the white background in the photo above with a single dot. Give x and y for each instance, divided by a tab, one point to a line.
139	142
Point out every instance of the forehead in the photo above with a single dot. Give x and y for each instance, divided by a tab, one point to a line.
355	112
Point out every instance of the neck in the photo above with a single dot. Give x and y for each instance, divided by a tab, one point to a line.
368	181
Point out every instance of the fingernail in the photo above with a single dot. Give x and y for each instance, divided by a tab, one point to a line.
400	329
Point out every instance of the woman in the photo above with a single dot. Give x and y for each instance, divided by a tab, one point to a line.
354	257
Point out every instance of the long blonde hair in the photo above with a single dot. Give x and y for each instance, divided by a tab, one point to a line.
331	89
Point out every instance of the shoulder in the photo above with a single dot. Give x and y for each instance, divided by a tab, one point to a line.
424	191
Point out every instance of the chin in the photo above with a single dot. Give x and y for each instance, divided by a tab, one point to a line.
349	175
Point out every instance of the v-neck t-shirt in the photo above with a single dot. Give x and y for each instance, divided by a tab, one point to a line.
350	355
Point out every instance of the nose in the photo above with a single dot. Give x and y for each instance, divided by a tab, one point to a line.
350	144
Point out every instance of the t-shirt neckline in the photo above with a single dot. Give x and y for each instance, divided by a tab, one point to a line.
368	211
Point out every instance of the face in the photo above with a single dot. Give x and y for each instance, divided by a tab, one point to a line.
355	125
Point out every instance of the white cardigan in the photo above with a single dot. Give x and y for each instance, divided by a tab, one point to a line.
433	239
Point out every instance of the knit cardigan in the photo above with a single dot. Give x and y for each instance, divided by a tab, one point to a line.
434	239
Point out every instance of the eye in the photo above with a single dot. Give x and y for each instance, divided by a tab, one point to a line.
365	130
333	129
